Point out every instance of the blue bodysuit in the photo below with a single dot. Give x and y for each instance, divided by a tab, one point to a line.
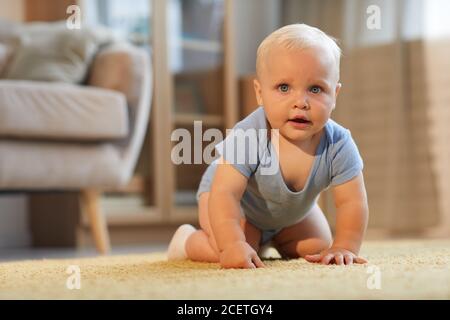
267	202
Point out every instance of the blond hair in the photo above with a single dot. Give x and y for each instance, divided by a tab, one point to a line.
297	36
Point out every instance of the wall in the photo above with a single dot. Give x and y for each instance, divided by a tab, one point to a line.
12	10
46	10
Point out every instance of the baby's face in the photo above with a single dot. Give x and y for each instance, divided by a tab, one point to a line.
298	83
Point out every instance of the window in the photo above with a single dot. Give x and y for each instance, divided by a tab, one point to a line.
130	20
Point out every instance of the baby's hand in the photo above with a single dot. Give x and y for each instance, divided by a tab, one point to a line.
240	255
335	255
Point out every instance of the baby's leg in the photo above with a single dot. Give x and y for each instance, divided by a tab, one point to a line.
309	236
201	245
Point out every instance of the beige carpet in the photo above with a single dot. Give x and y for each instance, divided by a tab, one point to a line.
407	270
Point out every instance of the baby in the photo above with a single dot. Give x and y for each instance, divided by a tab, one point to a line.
241	207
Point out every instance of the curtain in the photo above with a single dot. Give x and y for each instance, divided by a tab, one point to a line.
395	105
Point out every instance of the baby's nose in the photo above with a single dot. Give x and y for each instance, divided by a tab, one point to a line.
302	101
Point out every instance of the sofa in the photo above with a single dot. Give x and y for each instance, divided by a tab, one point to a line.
65	128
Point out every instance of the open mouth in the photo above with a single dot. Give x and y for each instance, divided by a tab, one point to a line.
299	120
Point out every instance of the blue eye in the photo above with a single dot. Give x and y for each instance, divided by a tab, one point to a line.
283	88
316	89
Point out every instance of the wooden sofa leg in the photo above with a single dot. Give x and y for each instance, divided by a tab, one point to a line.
91	204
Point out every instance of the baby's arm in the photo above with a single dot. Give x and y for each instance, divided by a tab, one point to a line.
224	215
352	214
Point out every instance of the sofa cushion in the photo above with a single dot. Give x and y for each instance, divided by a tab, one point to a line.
51	52
112	68
9	41
5	56
9	31
49	165
30	109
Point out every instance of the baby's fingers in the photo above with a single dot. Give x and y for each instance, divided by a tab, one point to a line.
360	260
348	259
313	257
248	264
327	259
257	261
339	258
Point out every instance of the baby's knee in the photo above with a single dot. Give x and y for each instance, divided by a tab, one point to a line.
199	247
313	246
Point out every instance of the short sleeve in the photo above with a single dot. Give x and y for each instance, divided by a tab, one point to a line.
240	149
242	145
346	162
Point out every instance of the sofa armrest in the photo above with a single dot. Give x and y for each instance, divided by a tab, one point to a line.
126	68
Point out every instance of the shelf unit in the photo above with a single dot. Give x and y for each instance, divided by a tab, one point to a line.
189	118
202	45
156	198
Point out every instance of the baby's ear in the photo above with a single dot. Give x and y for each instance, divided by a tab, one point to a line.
338	88
257	87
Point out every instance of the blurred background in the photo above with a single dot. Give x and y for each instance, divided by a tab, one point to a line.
71	188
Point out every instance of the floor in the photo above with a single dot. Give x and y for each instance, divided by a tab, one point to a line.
20	254
402	269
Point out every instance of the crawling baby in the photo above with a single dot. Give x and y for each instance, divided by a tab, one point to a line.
243	205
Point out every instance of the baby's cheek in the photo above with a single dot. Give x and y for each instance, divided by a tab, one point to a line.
321	98
275	120
325	102
273	110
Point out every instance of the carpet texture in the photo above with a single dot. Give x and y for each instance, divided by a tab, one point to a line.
404	269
